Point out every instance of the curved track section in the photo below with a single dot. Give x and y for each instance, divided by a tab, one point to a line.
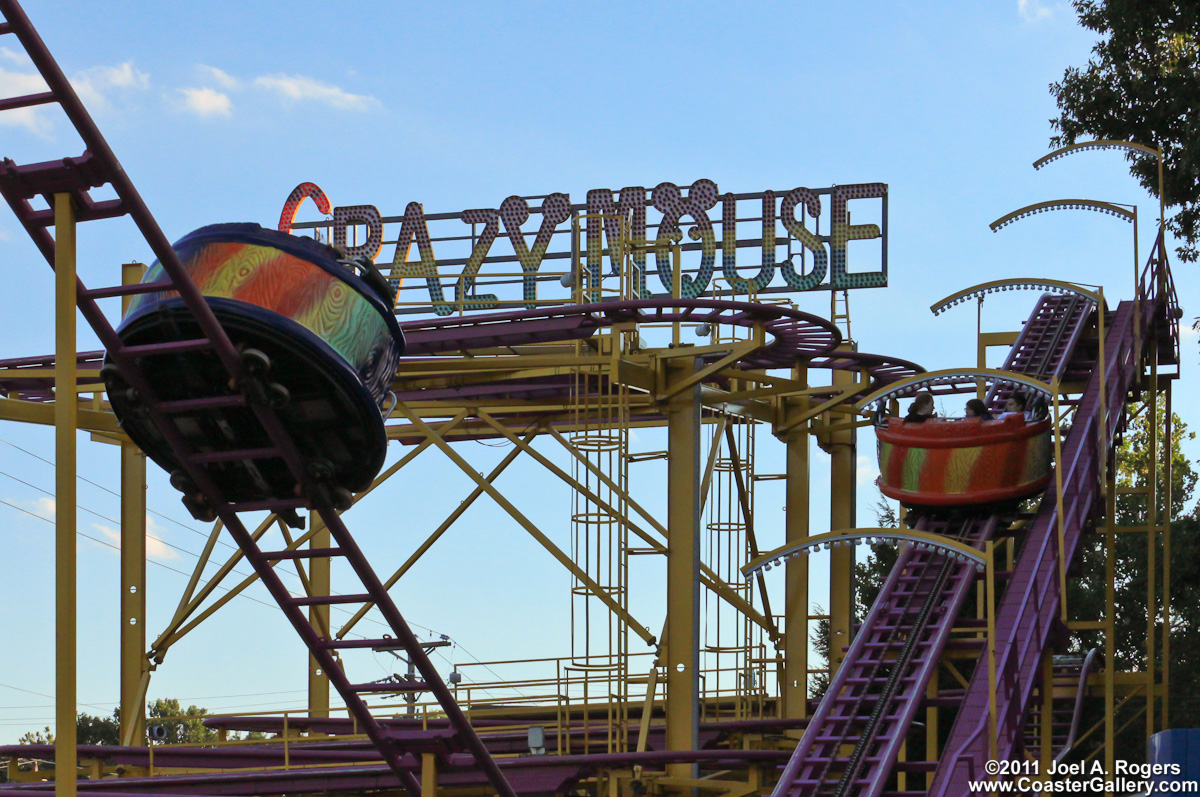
794	334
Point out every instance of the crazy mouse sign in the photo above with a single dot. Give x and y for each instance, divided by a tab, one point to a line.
773	241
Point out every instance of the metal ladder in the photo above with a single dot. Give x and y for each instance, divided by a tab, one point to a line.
97	166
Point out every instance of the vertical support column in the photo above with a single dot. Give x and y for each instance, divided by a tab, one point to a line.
318	581
795	622
842	498
429	768
1046	715
65	417
1110	623
683	566
1151	551
1168	476
134	665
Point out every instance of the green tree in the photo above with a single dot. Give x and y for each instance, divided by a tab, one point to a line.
183	726
1142	84
98	730
869	576
44	736
89	729
1133	466
1086	587
1085	591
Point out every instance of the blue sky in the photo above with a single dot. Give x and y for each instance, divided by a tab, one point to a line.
218	111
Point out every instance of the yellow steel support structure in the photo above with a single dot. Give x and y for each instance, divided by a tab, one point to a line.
1168	475
65	411
1152	528
683	565
842	495
134	664
318	578
795	662
1110	624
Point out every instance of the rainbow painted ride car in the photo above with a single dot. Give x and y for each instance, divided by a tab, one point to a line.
324	339
948	462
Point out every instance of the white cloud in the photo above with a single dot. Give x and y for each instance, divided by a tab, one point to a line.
110	532
155	547
18	84
867	470
206	102
46	507
93	84
210	74
5	235
1033	10
299	87
18	58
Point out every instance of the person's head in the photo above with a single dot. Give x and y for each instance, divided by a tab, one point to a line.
1015	403
976	408
923	403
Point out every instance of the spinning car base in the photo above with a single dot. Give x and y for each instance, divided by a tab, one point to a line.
318	341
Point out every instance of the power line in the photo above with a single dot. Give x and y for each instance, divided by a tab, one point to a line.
110	491
117	548
51	697
40	458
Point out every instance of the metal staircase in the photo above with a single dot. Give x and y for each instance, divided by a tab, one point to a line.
98	166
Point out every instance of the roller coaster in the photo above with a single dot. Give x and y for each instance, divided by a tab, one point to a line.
255	410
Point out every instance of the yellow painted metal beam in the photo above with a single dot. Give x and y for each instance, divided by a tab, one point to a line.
453	517
708	577
135	667
843	394
134	664
682	653
738	352
65	425
843	483
528	525
89	420
714	451
796	597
